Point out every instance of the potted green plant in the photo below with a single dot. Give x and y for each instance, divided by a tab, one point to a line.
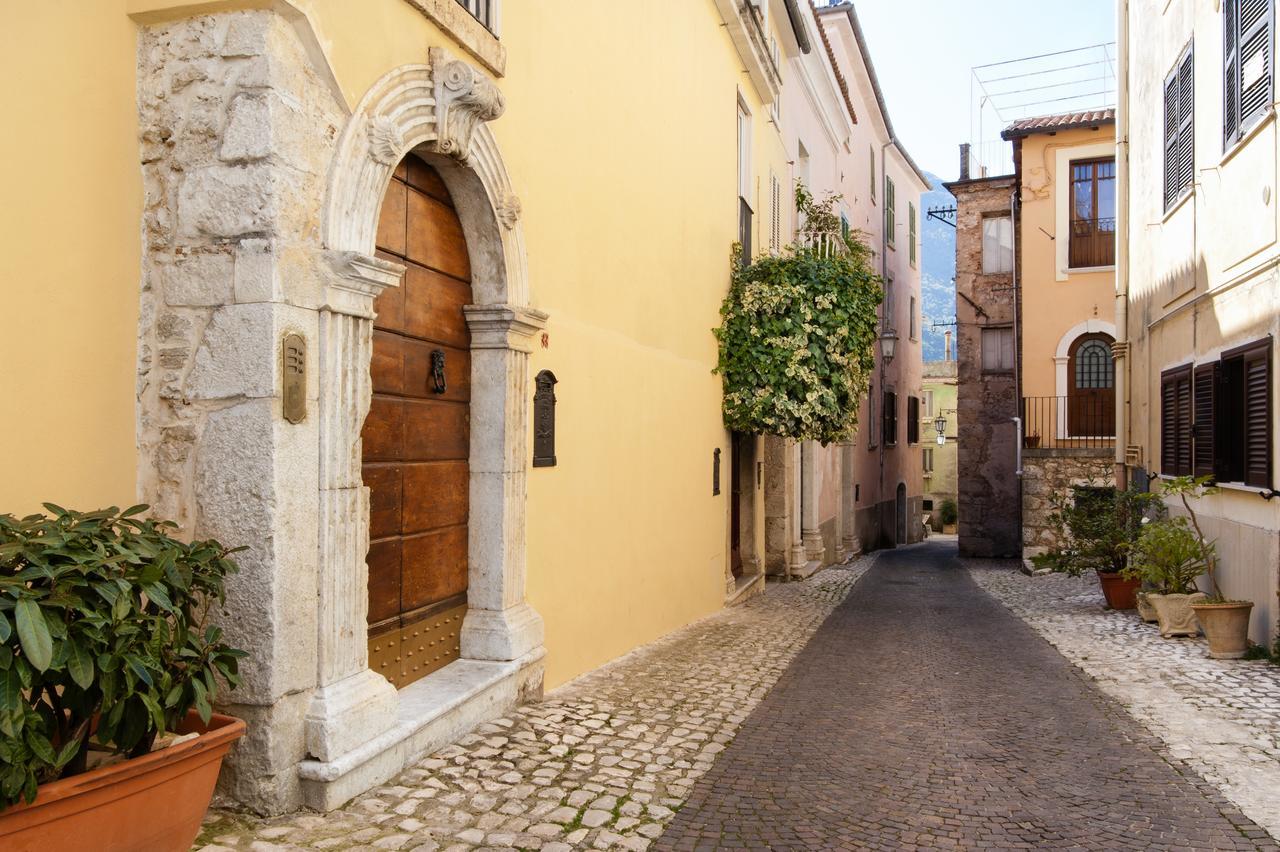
1094	529
108	673
950	515
1168	558
1225	622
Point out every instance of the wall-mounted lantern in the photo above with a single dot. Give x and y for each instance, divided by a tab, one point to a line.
544	419
940	426
888	345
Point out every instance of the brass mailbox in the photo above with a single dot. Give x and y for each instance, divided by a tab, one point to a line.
295	377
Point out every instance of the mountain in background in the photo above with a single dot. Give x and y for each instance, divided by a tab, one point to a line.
938	271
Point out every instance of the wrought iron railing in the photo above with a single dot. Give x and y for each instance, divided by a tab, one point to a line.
484	11
1093	242
1078	421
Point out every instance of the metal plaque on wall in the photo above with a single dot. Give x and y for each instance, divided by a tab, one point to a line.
295	377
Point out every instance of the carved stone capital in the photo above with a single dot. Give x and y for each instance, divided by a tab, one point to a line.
464	97
503	326
358	280
508	211
386	142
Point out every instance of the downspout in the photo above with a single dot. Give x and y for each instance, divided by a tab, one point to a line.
1017	330
884	325
1122	241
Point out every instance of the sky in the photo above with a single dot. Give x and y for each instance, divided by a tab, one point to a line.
923	51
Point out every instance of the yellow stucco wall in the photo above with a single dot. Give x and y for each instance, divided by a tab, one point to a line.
619	136
69	255
1055	299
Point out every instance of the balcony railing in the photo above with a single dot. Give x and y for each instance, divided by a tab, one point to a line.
1093	243
484	11
825	243
1079	421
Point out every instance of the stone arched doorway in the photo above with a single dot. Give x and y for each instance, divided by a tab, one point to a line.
1091	395
416	436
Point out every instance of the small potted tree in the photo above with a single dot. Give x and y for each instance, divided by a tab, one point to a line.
108	671
1168	558
1094	529
949	516
1225	622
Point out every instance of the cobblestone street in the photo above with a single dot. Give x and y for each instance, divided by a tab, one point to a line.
912	712
604	761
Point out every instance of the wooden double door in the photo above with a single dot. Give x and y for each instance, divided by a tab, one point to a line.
417	435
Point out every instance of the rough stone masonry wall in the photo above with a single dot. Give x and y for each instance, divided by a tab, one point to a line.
237	131
1049	473
987	483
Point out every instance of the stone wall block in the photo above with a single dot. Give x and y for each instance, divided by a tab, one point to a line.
248	135
256	272
246	35
256	487
198	279
229	201
261	769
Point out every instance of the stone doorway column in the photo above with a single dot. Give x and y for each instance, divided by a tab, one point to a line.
811	534
352	704
849	541
796	557
500	624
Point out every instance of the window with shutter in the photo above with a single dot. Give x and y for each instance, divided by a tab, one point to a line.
913	420
1247	71
1205	384
1175	422
1179	129
890	418
872	432
912	232
1257	417
890	214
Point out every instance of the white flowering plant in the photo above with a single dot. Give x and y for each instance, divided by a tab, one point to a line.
798	332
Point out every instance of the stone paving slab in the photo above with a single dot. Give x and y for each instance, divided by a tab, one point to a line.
603	762
1220	717
923	714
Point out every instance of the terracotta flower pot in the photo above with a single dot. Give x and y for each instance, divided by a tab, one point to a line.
1226	626
153	803
1175	615
1146	611
1120	592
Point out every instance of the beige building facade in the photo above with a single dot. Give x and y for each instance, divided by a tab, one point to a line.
1198	292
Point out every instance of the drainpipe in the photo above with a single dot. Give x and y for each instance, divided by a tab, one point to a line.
1122	240
1017	333
884	276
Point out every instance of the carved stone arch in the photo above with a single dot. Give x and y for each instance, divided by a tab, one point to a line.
436	110
359	729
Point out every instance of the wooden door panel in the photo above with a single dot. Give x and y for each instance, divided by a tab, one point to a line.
421	176
435	431
434	568
416	442
393	220
385	483
433	309
435	495
418	377
384	579
435	240
388	307
387	366
383	432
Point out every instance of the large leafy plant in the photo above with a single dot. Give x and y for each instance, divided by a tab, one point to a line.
798	332
103	639
1168	556
1096	527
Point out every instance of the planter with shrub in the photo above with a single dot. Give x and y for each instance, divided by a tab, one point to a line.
108	671
950	516
1095	529
1168	559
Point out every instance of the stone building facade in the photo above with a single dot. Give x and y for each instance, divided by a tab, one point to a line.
1198	263
987	395
939	459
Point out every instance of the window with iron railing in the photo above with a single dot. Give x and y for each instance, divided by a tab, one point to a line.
484	11
1093	213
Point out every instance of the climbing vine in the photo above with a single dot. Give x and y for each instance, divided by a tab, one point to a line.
798	331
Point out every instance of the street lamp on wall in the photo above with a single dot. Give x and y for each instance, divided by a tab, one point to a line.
940	426
888	344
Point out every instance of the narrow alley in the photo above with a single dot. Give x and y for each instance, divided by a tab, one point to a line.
890	703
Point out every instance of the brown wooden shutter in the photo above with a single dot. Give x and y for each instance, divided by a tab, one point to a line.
1257	417
1186	117
1171	186
1175	422
1205	385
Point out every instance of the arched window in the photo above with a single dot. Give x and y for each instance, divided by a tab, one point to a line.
1094	367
